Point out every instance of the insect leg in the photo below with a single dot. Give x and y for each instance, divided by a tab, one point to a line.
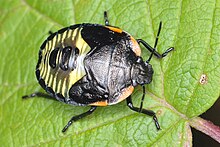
106	18
77	117
144	111
151	49
142	99
38	94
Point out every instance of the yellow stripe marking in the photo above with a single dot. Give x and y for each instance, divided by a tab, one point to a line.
61	81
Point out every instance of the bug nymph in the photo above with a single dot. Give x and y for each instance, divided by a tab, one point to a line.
95	65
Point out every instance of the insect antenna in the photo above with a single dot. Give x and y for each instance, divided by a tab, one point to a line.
152	53
156	41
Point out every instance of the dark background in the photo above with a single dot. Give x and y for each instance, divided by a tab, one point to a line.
213	115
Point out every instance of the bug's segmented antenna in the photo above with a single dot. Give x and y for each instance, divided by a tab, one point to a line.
156	41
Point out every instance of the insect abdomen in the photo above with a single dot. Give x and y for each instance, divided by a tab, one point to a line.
61	59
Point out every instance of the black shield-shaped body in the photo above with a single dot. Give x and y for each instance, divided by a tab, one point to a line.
89	64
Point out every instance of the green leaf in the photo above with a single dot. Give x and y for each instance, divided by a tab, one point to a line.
176	93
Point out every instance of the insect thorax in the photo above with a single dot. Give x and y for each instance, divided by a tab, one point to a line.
108	71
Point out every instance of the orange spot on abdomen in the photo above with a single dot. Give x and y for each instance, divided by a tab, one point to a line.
100	103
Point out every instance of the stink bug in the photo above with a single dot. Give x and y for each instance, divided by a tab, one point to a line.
96	65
